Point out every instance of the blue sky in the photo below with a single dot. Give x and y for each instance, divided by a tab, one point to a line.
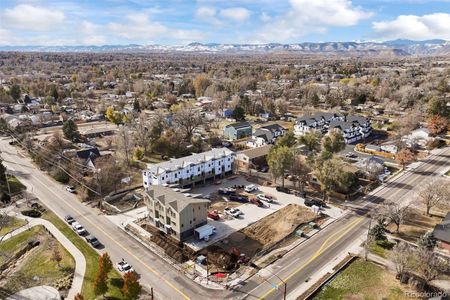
84	22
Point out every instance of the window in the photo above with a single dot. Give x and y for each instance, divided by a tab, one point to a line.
194	219
175	175
199	169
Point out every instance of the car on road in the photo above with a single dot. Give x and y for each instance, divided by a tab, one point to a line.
350	155
213	215
93	241
234	212
266	198
70	189
69	219
250	188
125	267
238	198
310	202
78	228
283	189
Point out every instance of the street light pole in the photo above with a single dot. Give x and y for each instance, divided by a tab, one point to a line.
275	286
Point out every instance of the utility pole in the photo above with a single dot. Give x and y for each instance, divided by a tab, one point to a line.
368	239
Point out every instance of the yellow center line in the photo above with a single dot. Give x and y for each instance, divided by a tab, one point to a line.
318	252
121	246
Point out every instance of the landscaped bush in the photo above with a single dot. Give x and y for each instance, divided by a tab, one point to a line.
32	213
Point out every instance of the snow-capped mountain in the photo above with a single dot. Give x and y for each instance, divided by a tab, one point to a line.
393	48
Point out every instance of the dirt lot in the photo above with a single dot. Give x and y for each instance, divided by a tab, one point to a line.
258	236
277	226
218	203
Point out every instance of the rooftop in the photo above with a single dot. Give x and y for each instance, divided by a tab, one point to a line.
169	197
193	159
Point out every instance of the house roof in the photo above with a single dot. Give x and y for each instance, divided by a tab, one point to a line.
193	159
441	231
169	197
91	153
273	127
239	125
256	152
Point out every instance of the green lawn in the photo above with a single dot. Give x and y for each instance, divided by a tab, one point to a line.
14	184
11	224
380	248
38	268
91	256
363	280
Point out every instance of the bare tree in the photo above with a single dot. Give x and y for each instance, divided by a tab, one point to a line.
125	144
396	213
400	256
188	119
434	193
430	264
142	131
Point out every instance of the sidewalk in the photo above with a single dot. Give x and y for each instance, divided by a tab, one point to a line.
80	261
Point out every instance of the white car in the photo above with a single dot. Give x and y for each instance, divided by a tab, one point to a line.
78	228
234	212
265	198
123	266
70	189
250	188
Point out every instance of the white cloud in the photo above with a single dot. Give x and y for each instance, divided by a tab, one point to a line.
413	27
206	12
237	14
306	16
33	18
91	34
137	27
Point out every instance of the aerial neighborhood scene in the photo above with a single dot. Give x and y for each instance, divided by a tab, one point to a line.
224	149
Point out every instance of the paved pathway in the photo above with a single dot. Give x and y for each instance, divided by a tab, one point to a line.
80	261
42	292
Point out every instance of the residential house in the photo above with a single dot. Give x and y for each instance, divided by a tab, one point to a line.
192	169
441	233
237	131
266	135
174	213
420	137
252	158
227	112
354	128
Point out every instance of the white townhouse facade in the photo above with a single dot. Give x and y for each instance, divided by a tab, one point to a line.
191	169
354	128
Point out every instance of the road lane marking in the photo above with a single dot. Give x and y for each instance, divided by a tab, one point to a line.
119	244
317	253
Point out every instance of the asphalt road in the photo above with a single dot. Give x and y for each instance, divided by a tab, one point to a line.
295	267
299	265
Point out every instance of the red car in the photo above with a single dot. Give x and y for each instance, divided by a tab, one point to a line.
213	215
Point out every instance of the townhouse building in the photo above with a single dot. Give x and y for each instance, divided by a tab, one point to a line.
354	128
189	170
174	213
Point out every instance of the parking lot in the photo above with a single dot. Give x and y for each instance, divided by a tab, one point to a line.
251	213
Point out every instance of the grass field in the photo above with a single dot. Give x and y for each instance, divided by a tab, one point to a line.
10	224
115	279
363	280
37	268
14	184
381	248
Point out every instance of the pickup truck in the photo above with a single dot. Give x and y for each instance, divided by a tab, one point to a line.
213	215
234	212
266	198
311	202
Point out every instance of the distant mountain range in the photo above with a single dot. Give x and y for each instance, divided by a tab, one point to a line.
388	48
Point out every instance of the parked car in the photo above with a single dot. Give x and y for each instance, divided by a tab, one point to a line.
226	191
311	202
234	212
250	188
283	189
264	169
238	198
78	228
257	202
123	266
93	241
351	155
69	219
70	189
213	215
265	198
